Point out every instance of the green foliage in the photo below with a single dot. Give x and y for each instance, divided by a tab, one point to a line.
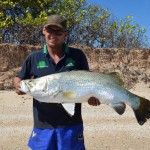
21	21
129	34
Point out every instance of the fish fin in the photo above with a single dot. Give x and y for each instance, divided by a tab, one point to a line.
69	95
117	78
69	108
119	107
143	112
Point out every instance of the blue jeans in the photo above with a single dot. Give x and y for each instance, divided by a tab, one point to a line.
67	138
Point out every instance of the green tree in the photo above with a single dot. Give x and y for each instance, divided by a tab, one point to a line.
130	34
21	22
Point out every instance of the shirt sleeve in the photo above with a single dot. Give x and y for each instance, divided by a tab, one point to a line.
25	72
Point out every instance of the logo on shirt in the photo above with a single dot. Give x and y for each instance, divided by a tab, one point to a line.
70	62
41	64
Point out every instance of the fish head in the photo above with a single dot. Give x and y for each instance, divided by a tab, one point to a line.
32	85
27	86
40	86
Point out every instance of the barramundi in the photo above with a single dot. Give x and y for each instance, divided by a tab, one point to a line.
73	87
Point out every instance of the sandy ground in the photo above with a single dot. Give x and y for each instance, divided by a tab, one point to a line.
103	128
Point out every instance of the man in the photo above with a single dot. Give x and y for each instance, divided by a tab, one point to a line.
54	129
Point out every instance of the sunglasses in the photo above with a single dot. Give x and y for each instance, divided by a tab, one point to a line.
55	32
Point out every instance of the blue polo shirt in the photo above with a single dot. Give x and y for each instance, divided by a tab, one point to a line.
39	64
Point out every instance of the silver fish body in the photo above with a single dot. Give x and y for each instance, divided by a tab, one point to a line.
79	86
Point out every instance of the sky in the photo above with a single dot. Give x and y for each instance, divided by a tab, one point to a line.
139	9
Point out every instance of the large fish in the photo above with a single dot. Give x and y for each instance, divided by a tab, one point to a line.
73	87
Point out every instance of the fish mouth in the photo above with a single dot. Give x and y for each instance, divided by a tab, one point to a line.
23	87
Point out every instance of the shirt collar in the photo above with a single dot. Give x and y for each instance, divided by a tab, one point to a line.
45	51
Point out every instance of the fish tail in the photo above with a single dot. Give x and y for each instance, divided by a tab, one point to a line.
143	111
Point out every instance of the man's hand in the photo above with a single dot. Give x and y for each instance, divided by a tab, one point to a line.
93	101
16	84
20	92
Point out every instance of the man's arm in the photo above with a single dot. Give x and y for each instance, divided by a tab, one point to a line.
16	85
24	73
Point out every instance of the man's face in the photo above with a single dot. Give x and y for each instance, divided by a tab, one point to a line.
54	35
